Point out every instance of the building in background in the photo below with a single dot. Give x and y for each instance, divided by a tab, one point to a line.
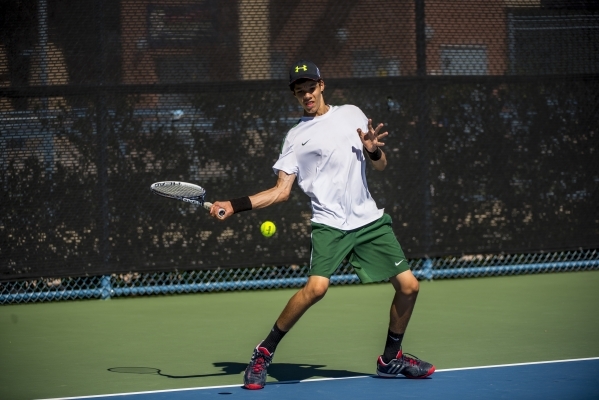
141	42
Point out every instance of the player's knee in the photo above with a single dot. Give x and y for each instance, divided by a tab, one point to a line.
412	287
407	285
319	292
316	291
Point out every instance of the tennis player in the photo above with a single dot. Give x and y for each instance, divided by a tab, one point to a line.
327	151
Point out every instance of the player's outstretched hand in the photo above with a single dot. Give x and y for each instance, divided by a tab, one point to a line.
224	205
372	139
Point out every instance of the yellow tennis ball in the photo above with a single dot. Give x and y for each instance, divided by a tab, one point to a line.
268	228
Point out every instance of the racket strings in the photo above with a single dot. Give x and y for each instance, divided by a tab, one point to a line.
179	190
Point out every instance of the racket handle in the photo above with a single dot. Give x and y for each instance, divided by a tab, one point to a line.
208	206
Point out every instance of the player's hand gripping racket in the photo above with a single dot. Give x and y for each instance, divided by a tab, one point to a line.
187	192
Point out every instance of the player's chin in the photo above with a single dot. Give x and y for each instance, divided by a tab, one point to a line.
310	107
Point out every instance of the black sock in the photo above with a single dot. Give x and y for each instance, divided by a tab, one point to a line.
392	346
273	339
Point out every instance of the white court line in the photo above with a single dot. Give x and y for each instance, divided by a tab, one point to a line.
320	379
518	364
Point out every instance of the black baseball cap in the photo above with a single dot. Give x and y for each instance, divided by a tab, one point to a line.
303	69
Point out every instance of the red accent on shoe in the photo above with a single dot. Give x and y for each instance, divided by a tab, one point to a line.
264	351
253	386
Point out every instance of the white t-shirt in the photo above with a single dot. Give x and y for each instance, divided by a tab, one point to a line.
325	153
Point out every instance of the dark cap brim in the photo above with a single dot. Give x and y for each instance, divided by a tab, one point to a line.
306	76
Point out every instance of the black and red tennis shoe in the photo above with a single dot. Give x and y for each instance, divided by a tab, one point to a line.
404	364
254	377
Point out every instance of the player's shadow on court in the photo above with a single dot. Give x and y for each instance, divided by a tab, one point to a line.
280	371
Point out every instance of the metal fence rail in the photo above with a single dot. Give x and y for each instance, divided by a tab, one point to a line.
275	277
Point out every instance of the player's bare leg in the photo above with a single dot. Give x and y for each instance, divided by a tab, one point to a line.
314	290
306	297
406	291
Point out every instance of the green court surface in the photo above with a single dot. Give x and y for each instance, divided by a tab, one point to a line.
66	348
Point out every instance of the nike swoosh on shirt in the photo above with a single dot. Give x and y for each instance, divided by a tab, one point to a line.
306	142
397	263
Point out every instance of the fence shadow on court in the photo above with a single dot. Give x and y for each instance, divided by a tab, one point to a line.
287	372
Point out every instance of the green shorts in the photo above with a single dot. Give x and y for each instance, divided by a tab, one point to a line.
372	250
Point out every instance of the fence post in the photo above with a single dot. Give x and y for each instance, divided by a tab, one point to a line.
428	269
106	287
102	131
422	125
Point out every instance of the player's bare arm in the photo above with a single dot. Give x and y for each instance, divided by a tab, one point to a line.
277	194
372	144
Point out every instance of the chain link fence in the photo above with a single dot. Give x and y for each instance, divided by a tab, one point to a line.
217	280
492	108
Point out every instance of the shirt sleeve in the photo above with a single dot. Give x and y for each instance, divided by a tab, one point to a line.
287	161
362	120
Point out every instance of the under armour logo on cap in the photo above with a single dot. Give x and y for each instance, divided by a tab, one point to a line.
303	69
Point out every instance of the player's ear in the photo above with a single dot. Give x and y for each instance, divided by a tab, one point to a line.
321	83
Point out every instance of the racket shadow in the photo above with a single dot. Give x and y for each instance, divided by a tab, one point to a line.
158	372
280	371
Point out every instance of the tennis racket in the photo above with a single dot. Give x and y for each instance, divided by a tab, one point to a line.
187	192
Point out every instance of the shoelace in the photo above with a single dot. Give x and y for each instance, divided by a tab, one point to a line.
412	359
259	364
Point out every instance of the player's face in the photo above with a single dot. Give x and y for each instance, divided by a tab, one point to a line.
309	95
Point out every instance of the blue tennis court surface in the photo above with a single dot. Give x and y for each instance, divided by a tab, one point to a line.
567	379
